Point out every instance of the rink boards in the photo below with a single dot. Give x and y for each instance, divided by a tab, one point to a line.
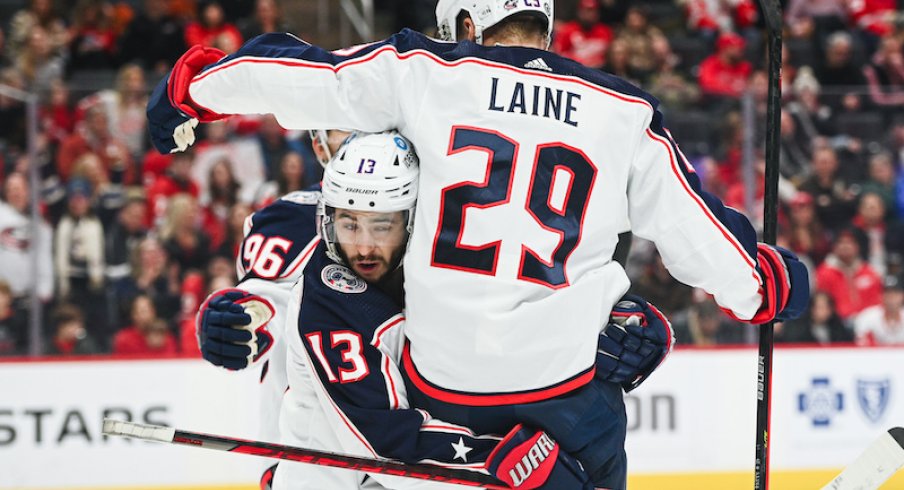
690	426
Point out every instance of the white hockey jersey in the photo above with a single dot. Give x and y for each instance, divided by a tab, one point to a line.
531	165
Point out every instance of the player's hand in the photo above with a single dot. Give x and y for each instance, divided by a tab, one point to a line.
513	460
172	117
634	343
786	285
231	327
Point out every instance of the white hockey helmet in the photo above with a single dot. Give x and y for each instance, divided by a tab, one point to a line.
321	139
375	172
487	13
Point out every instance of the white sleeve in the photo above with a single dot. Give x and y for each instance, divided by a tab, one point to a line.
305	86
702	242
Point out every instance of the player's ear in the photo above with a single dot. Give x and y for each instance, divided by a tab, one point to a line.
468	30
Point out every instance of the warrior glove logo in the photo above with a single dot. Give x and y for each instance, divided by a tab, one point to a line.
541	450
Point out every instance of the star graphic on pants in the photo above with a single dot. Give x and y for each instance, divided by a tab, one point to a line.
461	451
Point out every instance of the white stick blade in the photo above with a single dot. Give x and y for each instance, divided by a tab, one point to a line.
138	431
875	466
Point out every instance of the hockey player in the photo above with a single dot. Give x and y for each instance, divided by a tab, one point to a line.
534	164
277	239
344	337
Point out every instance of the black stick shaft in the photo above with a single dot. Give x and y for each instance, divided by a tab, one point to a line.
773	13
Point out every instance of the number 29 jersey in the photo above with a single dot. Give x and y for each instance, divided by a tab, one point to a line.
531	165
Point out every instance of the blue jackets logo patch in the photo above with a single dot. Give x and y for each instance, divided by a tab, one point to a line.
342	279
873	397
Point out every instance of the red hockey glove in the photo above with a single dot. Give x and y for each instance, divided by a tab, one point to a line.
528	459
786	285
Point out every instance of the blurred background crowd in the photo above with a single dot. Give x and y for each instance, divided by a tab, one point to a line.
129	242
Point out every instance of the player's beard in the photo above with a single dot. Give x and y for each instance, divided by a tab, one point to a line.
379	268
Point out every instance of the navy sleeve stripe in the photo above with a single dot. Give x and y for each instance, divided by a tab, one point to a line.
688	180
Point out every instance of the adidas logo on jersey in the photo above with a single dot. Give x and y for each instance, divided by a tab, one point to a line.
538	64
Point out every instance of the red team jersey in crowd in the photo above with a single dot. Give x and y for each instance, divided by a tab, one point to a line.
524	189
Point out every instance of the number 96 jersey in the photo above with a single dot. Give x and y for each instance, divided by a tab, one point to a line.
278	241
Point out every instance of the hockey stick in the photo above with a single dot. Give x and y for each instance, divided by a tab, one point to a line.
159	433
772	10
882	459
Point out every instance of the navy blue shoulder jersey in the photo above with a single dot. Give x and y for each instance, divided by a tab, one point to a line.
352	334
277	235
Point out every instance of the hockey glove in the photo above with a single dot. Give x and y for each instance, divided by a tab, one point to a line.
172	117
232	328
786	285
634	343
527	459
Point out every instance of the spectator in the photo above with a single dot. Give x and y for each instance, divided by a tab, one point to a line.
816	19
185	243
710	17
839	72
125	107
819	325
725	73
268	17
147	334
94	135
885	74
176	180
38	63
871	220
658	286
669	85
806	235
107	196
154	39
212	28
153	276
243	154
70	337
882	182
638	35
274	144
618	62
707	326
835	198
847	278
585	39
12	324
123	238
93	45
291	177
875	18
12	111
235	230
794	152
17	240
40	13
221	194
812	117
884	323
58	116
79	246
